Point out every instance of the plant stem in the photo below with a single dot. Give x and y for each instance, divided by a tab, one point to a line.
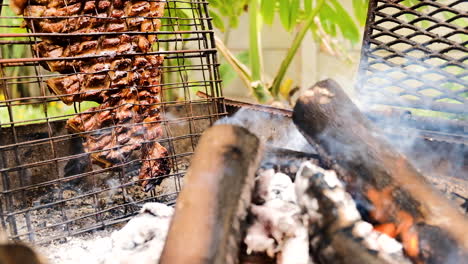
241	69
256	58
255	41
227	34
293	50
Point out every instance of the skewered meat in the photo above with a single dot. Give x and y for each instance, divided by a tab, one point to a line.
119	108
88	17
112	69
154	164
125	16
126	121
100	80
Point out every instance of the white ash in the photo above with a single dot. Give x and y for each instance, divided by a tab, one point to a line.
141	240
270	185
277	229
332	189
80	249
376	240
80	206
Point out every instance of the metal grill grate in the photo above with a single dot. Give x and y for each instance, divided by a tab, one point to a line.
415	56
50	189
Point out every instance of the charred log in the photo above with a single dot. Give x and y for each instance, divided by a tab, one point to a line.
398	193
206	224
338	235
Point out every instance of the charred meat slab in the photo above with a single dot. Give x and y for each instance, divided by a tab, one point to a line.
114	70
84	20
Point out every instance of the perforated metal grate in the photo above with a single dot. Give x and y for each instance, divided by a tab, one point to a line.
414	56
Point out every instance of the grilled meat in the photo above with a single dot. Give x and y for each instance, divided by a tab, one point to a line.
79	51
126	121
155	164
100	80
113	69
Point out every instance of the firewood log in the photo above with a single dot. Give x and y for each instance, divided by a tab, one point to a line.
216	193
348	143
14	253
339	235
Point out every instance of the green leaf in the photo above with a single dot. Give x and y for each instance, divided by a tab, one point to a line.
234	21
240	68
217	20
308	6
325	15
410	3
268	11
275	87
227	72
284	14
360	11
346	24
294	12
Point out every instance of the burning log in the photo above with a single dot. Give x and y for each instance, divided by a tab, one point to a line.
334	223
206	223
400	197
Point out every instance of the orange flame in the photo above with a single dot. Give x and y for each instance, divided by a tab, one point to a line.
388	228
410	243
396	222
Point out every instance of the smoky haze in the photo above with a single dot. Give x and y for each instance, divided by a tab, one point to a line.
273	130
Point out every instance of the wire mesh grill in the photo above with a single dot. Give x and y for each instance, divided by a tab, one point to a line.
51	185
414	56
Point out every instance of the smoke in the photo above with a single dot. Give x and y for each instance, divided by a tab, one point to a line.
430	158
114	185
273	130
421	135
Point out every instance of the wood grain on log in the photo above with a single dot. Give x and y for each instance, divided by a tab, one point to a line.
216	193
349	143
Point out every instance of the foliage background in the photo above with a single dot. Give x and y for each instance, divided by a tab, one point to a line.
315	59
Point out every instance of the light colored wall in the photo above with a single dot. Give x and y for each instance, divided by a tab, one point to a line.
309	66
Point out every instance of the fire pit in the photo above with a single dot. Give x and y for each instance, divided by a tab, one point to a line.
134	119
369	203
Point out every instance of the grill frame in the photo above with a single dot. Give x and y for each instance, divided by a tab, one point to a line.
187	53
421	114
